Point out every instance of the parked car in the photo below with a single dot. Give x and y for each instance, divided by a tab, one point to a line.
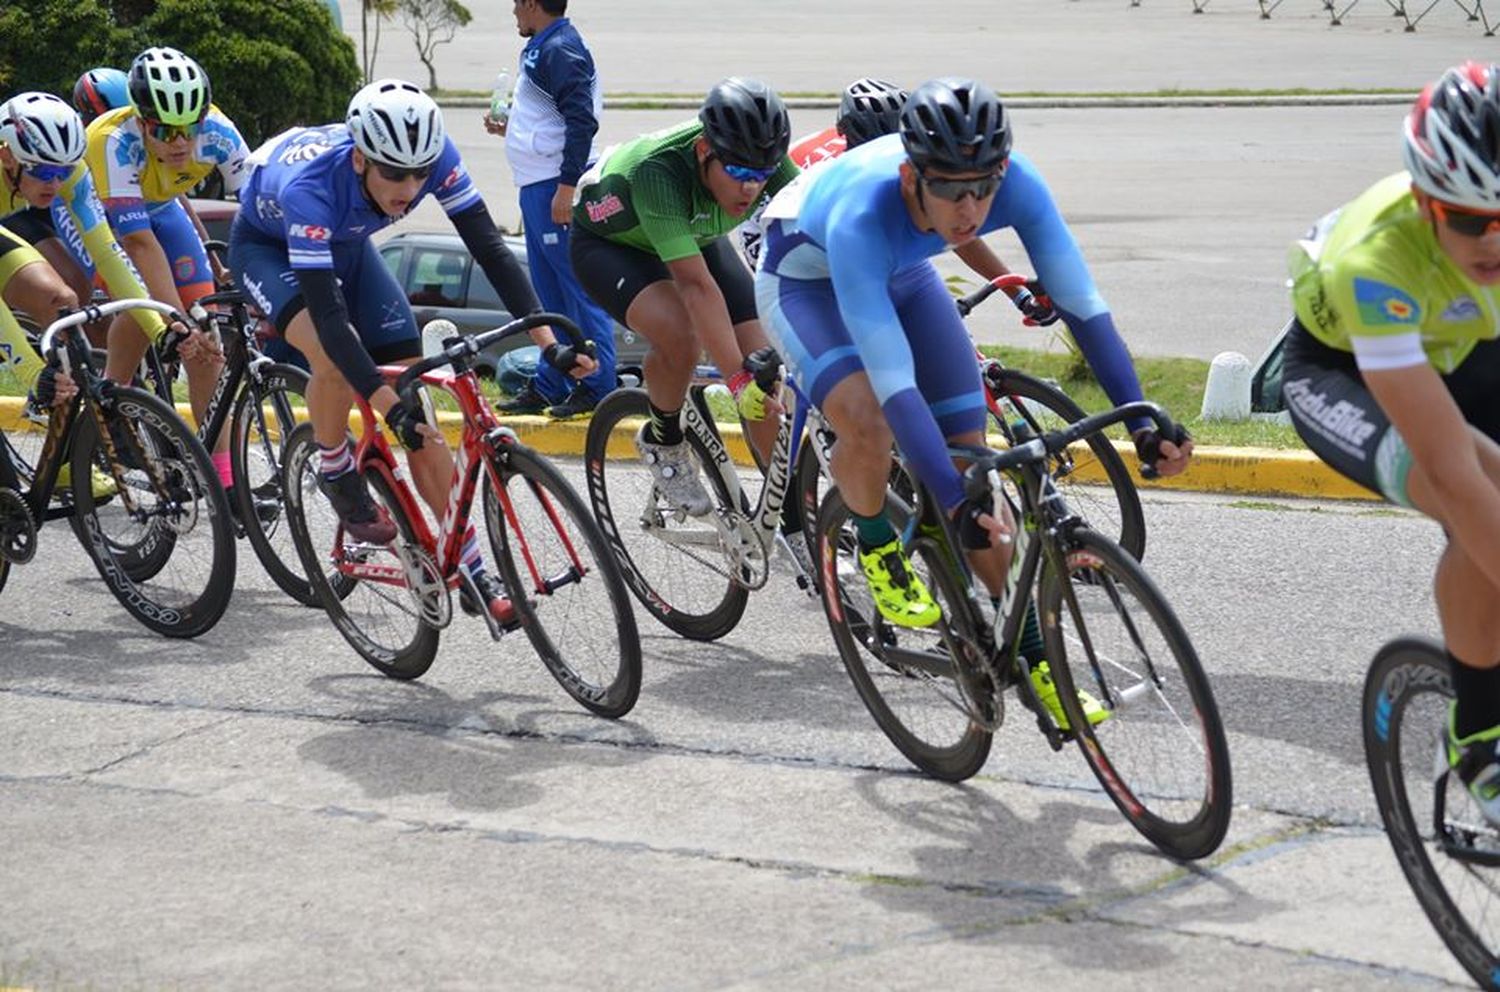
440	279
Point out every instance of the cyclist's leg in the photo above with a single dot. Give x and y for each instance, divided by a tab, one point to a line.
195	280
636	289
21	270
804	319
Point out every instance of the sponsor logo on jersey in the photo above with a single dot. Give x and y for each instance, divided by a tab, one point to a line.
312	232
303	148
258	294
218	140
184	269
452	178
266	208
128	149
1342	423
603	209
1382	303
1462	309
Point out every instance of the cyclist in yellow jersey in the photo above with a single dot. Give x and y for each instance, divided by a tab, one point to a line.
1393	368
142	158
46	199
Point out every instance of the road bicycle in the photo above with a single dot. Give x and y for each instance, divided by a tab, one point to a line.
390	602
146	502
695	574
938	693
1449	852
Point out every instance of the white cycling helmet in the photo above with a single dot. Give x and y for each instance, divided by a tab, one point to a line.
394	123
1452	146
40	129
167	86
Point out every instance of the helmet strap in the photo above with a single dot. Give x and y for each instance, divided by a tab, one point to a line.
364	185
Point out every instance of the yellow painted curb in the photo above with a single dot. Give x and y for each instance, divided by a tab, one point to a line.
1257	471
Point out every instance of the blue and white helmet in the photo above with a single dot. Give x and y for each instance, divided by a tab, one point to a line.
41	129
394	123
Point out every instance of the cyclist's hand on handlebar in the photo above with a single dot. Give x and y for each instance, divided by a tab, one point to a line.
53	387
569	360
756	387
979	527
195	344
1035	305
1167	456
411	428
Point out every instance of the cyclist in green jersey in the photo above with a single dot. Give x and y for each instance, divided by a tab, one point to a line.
649	247
1393	366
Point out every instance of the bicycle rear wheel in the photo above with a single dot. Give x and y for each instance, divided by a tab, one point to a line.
676	568
1161	754
906	678
1448	851
363	587
563	581
164	543
1110	504
263	419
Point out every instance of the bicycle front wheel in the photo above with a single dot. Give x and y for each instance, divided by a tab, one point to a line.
263	419
1448	850
1160	754
907	678
363	587
154	519
1091	476
676	568
563	580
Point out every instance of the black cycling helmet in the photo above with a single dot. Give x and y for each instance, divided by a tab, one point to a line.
869	109
955	125
746	123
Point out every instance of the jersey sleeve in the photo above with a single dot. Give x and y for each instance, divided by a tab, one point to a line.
661	206
228	150
79	201
116	158
307	223
1025	204
451	183
1371	300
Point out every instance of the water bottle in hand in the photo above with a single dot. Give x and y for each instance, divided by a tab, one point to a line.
500	99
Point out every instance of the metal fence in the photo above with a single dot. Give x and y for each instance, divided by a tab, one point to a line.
1411	13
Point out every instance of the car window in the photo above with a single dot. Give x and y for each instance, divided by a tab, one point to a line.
436	278
391	256
482	295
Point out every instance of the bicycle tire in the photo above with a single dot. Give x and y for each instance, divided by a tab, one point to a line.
898	696
356	606
604	674
1410	676
688	597
179	603
1121	518
255	463
1183	816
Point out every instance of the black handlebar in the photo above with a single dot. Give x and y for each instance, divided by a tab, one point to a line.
976	483
460	347
968	303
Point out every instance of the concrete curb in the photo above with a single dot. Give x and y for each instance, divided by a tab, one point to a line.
1063	102
1231	471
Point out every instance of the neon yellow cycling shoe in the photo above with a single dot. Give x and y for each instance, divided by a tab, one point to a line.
103	486
1046	691
899	595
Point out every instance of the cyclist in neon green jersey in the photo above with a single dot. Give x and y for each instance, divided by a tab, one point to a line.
1393	367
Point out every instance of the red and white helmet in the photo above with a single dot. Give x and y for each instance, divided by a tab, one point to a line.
40	129
1452	146
394	123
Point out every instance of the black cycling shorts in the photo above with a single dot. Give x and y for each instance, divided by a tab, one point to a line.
1334	413
614	274
33	223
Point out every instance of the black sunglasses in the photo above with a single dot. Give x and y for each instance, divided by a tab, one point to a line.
392	174
1470	225
957	189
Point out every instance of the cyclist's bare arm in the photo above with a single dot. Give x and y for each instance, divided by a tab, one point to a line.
981	258
1450	478
707	311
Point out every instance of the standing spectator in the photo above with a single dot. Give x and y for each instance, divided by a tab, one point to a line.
549	138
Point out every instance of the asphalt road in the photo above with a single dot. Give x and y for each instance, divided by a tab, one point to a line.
259	809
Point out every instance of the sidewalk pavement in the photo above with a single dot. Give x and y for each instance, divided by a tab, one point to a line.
1233	471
